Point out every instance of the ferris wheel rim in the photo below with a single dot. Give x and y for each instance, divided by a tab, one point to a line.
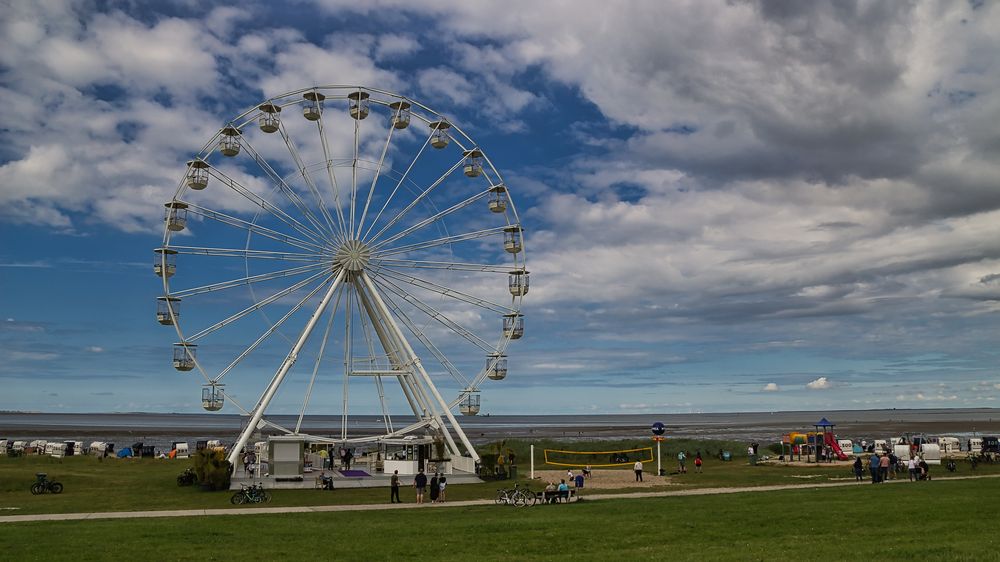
430	117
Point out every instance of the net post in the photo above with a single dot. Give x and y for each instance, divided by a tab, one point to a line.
532	455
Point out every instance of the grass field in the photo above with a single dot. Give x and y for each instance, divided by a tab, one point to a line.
941	519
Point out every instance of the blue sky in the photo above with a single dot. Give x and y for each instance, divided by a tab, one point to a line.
728	206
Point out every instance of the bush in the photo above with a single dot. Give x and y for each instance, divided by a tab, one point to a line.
212	469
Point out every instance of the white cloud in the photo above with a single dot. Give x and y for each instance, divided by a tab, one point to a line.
770	387
821	383
95	349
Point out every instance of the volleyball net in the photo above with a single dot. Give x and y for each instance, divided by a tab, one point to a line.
622	457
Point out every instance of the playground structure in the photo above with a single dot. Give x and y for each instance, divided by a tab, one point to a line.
814	445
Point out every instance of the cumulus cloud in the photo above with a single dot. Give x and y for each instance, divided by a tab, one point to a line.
821	383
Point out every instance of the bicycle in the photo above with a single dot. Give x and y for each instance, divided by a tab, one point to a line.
516	496
43	484
254	493
186	478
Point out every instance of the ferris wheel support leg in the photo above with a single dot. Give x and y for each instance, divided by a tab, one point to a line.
402	356
265	398
419	367
393	351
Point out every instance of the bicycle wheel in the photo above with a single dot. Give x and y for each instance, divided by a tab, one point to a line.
530	498
267	496
519	499
37	488
237	499
56	488
502	497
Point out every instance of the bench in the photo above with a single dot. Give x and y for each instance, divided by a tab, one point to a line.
556	496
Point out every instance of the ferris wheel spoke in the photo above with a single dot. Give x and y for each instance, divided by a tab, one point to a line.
437	315
428	344
271	330
367	329
432	219
222	285
271	208
256	306
440	241
418	199
451	266
254	228
398	184
354	171
308	179
319	360
332	177
371	188
447	292
288	192
247	254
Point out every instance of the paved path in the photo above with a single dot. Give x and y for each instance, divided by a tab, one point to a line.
373	507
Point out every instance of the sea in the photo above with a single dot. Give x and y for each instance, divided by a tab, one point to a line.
161	430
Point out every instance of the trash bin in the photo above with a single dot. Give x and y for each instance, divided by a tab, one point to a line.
513	472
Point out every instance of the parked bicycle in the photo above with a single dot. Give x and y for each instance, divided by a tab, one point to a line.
43	484
250	494
186	478
516	496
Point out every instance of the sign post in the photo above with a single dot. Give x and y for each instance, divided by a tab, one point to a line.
658	430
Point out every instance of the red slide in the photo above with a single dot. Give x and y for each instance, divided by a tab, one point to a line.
829	440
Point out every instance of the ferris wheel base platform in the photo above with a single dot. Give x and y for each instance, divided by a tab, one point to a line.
313	481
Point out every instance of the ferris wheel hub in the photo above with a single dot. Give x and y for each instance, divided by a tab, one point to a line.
353	255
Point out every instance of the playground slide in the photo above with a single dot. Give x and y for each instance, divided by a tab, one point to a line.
828	438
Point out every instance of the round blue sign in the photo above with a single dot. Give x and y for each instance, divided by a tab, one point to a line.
658	428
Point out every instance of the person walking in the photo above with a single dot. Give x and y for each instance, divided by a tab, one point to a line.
637	467
394	488
681	459
697	462
435	490
420	484
859	469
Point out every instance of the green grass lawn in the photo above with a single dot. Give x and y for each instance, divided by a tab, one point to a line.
150	484
939	520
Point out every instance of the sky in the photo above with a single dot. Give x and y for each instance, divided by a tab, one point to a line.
728	206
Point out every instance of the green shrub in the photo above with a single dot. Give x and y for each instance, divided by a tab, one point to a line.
212	469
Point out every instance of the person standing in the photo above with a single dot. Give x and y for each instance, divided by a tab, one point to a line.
859	470
420	484
394	488
883	467
638	471
442	486
435	490
348	456
911	465
873	467
697	462
681	463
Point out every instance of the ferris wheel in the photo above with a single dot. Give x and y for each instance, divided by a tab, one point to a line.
338	250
